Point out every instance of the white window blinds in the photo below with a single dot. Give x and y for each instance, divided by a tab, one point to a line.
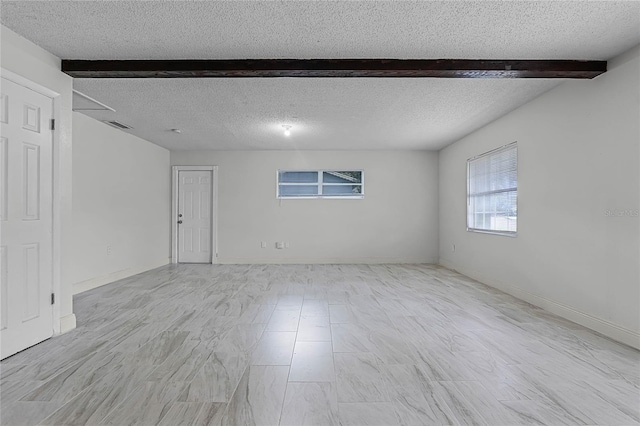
492	191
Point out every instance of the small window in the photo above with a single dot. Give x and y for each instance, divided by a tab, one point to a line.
492	191
320	184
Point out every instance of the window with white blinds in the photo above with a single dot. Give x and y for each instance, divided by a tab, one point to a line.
492	191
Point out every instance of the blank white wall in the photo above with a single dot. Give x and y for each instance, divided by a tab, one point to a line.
121	199
22	57
395	222
578	153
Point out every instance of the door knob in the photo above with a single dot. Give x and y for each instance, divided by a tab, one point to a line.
179	222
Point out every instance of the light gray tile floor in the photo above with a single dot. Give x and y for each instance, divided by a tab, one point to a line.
317	345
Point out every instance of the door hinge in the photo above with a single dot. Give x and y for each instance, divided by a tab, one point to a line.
53	124
53	298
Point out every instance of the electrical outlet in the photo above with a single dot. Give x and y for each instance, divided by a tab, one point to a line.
263	244
108	250
279	245
286	245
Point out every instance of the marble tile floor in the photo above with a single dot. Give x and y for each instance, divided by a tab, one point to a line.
317	345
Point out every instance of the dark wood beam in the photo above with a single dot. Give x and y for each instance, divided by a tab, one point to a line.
385	68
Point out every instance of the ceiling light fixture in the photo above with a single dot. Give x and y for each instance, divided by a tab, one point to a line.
176	130
287	129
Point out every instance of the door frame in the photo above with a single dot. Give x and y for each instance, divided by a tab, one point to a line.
175	203
56	195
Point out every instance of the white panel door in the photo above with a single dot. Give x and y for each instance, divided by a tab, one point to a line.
194	216
26	218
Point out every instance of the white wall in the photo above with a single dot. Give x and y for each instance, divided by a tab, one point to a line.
121	199
395	222
22	57
578	153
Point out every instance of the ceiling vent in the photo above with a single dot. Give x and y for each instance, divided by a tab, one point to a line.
117	125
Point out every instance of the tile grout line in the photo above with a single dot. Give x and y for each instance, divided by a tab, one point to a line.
284	397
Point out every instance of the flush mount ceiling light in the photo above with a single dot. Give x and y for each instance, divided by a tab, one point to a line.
287	129
176	130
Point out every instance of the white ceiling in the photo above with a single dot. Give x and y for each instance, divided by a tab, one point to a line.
325	113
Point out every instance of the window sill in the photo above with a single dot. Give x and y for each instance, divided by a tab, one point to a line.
325	197
502	233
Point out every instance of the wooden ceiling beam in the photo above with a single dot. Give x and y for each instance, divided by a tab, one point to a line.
334	68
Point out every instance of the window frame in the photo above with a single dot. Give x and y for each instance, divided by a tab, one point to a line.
320	183
513	234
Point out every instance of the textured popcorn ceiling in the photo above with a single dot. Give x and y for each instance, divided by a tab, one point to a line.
325	113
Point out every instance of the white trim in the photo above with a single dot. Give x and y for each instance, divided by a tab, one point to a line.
320	197
22	81
609	329
67	323
90	99
214	214
57	217
115	276
493	151
512	234
174	209
56	258
322	261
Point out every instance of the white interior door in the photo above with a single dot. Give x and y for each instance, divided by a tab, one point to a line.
194	216
26	218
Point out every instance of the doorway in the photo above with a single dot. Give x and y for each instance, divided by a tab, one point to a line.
26	215
194	214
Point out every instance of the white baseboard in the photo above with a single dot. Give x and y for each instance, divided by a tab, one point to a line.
67	323
609	329
322	261
115	276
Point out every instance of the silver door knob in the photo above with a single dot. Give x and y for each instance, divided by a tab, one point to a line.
179	222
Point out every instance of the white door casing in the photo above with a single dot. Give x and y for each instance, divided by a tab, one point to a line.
26	218
194	216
